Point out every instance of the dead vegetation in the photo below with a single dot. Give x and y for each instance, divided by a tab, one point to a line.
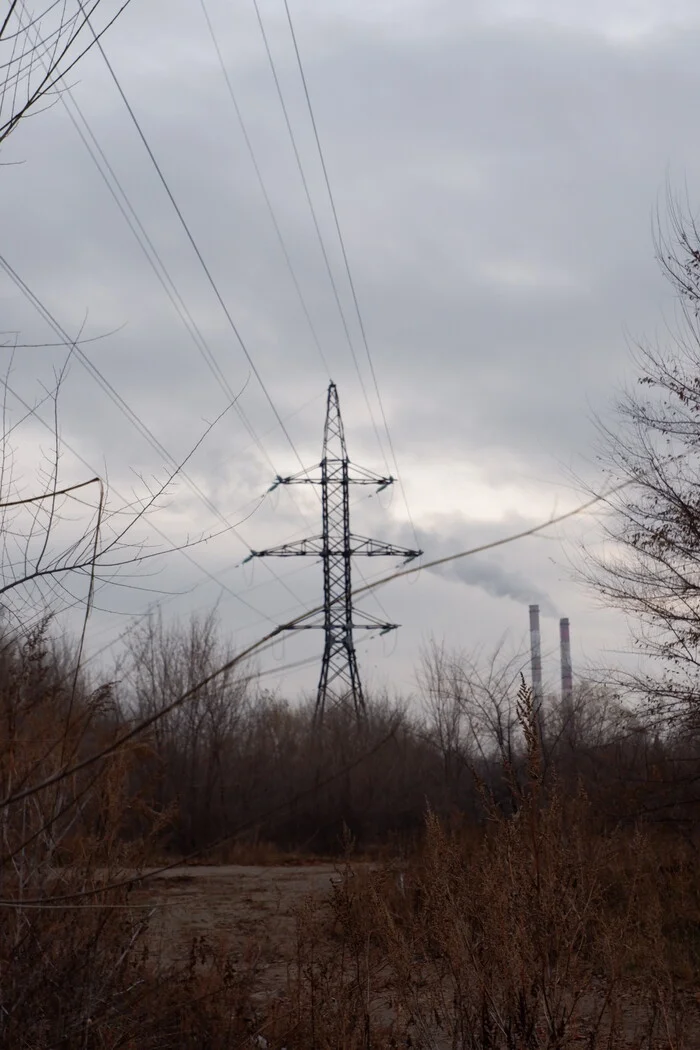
540	925
541	932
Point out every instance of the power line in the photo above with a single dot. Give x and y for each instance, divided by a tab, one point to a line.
328	267
177	301
319	235
346	260
119	401
263	187
196	248
194	244
150	522
96	374
322	246
162	274
191	239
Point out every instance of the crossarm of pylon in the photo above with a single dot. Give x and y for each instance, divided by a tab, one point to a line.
376	548
310	546
301	478
360	476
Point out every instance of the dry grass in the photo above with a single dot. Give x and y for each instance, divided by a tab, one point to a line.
538	931
546	933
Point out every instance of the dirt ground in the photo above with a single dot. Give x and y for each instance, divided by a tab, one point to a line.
249	908
252	911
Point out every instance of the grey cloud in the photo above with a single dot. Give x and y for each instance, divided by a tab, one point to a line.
462	161
426	248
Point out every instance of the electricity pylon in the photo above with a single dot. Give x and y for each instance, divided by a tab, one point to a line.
339	682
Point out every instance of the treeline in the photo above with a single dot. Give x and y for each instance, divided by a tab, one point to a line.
235	767
237	762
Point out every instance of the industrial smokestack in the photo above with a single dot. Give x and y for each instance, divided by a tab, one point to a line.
566	673
535	653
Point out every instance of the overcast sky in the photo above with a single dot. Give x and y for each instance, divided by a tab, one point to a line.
496	168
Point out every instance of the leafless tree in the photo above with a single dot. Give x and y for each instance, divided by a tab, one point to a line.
197	746
40	49
650	567
471	699
62	539
473	717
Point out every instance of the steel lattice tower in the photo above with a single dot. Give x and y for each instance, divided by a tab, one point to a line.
339	682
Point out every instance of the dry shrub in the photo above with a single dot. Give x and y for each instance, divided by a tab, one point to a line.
333	981
546	933
75	969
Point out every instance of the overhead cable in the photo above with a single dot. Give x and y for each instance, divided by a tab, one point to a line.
346	260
